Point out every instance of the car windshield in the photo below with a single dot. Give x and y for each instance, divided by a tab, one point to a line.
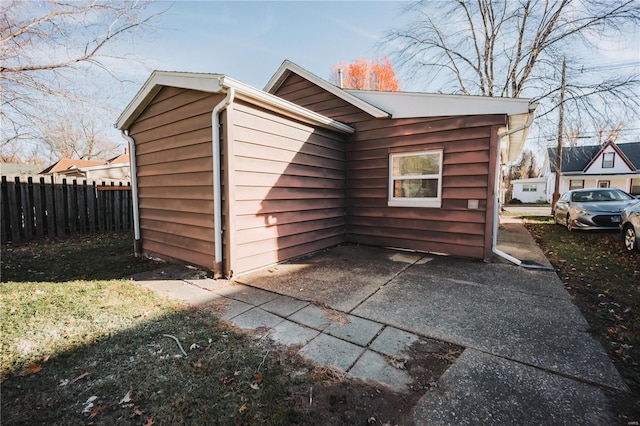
599	196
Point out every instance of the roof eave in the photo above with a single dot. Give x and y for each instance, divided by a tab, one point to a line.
217	83
288	67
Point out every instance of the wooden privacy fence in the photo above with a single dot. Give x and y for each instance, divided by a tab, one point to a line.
37	207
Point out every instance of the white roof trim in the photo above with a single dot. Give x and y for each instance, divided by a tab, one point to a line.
104	167
412	104
287	67
540	179
217	83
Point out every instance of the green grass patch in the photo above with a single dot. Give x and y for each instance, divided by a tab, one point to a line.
96	351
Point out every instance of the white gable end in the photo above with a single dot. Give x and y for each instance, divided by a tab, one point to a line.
608	162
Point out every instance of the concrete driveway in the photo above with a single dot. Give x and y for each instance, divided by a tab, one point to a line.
528	357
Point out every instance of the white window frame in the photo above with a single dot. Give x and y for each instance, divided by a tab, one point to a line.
529	188
431	202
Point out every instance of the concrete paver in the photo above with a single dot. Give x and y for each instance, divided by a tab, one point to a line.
355	330
246	294
291	334
284	305
181	290
311	316
329	350
393	342
483	389
374	367
256	318
226	308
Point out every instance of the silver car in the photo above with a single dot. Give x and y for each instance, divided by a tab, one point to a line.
596	208
631	227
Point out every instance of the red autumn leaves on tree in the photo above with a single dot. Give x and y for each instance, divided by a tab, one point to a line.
377	74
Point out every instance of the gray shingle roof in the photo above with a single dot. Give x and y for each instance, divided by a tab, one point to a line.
576	158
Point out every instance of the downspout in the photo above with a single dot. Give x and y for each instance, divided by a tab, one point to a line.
137	245
496	204
217	185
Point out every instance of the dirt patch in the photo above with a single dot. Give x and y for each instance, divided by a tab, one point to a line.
328	397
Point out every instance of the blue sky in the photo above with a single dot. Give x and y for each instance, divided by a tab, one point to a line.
249	40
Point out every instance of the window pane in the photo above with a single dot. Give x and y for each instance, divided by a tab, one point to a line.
635	186
415	188
426	164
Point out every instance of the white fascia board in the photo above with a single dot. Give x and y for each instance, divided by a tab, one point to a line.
288	66
104	167
244	91
540	179
412	104
216	83
157	80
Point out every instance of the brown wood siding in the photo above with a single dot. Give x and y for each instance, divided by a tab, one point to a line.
287	193
174	169
468	162
306	94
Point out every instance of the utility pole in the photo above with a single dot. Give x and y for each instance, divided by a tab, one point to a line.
563	88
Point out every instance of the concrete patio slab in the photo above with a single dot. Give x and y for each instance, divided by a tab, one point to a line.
535	282
356	330
483	389
374	367
328	350
291	334
538	330
340	278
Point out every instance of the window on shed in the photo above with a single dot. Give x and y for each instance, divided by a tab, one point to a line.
576	184
415	179
529	188
608	159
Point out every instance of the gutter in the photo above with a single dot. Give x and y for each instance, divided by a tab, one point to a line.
137	245
496	206
217	184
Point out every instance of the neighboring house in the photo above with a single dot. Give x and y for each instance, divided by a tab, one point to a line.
596	166
116	168
234	178
16	169
532	190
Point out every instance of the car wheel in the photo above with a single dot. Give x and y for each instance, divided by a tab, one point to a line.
629	238
569	224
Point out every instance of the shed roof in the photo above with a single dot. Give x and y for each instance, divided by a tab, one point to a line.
219	83
415	104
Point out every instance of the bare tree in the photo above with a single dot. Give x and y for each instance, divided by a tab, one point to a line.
515	49
49	48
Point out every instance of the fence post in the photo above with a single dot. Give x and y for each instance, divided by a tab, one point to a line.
27	210
38	208
4	212
50	206
14	214
82	206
